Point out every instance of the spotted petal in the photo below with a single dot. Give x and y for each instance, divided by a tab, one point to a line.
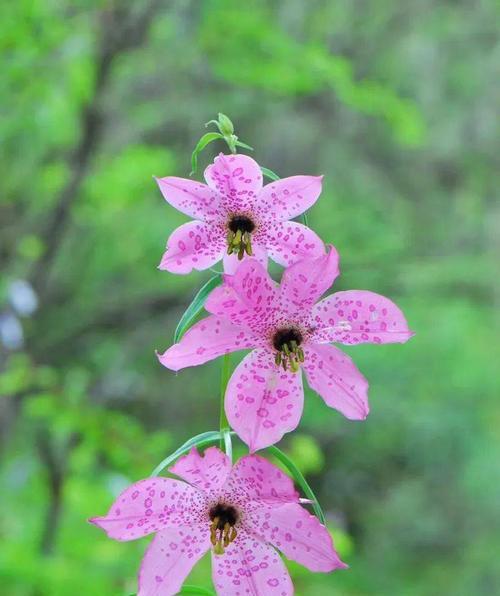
249	566
254	478
289	242
333	375
288	197
263	402
237	178
194	245
208	472
232	263
359	316
150	505
305	281
297	534
192	198
208	339
170	557
248	298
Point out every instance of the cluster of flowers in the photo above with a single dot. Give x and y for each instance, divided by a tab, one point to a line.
241	512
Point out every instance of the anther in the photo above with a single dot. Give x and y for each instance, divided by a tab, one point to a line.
289	354
239	237
222	531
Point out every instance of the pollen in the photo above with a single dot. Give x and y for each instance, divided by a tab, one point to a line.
289	354
239	235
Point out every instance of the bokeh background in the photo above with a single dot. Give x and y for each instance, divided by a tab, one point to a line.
395	102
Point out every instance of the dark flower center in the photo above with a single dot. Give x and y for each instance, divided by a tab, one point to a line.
241	222
287	342
239	235
222	530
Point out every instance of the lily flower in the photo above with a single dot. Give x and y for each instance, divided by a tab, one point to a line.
236	217
288	331
239	513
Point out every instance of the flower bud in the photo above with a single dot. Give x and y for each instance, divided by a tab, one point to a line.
225	125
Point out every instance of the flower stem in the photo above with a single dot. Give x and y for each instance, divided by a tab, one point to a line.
225	441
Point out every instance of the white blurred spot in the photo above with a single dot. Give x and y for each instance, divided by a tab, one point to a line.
11	332
22	297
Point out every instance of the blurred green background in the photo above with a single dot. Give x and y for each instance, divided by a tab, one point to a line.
395	102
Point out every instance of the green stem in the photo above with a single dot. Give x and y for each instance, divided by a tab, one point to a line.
224	378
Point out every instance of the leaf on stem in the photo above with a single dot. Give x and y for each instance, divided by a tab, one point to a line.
207	138
201	441
300	480
269	174
196	306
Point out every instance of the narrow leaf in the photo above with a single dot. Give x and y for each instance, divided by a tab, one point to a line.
196	306
192	442
300	480
196	590
269	174
244	145
202	143
305	219
200	441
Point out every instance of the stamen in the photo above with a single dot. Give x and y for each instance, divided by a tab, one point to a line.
239	236
288	351
222	530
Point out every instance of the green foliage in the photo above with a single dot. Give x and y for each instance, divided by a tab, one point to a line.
196	307
394	103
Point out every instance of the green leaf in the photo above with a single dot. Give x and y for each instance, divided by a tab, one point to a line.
207	138
300	480
201	441
196	306
305	219
196	590
244	145
270	174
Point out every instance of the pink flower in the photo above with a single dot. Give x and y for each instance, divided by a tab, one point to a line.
289	332
235	216
237	512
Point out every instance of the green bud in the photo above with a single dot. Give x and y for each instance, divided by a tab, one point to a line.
225	125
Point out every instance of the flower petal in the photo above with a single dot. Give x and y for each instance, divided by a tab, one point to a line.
254	478
289	242
170	557
232	263
248	298
297	534
237	178
305	281
359	316
288	197
263	402
208	339
194	245
333	375
251	567
192	198
150	505
208	472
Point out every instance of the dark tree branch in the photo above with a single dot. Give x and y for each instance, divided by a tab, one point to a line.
121	30
55	465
